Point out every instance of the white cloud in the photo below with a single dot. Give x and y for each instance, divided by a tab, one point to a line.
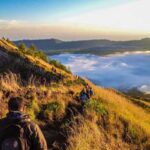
5	24
78	63
120	72
130	17
130	52
145	89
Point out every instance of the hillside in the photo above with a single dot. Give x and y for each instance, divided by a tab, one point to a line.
99	47
108	121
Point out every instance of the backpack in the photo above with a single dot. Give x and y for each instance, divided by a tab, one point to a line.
83	97
13	137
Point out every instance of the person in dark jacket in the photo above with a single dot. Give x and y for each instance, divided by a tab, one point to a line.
16	116
90	92
83	96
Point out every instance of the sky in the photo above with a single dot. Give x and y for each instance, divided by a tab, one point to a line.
75	19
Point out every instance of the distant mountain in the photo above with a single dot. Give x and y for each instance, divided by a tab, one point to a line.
48	44
87	46
44	44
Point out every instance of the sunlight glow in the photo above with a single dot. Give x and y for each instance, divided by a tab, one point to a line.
125	21
130	17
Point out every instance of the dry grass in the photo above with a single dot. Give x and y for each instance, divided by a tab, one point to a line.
48	67
1	95
9	82
89	136
38	95
8	46
123	108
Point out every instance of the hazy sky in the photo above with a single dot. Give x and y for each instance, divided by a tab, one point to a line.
75	19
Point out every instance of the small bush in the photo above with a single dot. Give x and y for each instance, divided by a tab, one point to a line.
33	51
133	133
95	105
9	41
69	83
78	81
136	133
54	106
53	110
33	108
59	65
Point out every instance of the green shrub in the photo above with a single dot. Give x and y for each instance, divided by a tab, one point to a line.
78	81
54	106
69	83
59	65
33	108
22	48
97	106
53	109
136	133
32	50
9	41
133	133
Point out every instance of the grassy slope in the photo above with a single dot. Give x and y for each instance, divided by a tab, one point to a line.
108	121
123	123
124	108
42	64
7	45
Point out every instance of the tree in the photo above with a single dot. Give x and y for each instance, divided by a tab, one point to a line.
32	48
9	41
22	47
42	55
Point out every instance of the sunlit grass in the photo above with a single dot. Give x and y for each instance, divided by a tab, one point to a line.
123	107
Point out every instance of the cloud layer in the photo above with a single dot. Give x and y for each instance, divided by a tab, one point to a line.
119	71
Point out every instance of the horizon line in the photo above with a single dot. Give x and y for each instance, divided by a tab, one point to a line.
90	39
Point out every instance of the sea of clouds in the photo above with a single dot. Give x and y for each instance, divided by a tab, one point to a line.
120	71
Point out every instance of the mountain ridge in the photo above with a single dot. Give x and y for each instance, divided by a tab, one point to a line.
98	46
94	41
